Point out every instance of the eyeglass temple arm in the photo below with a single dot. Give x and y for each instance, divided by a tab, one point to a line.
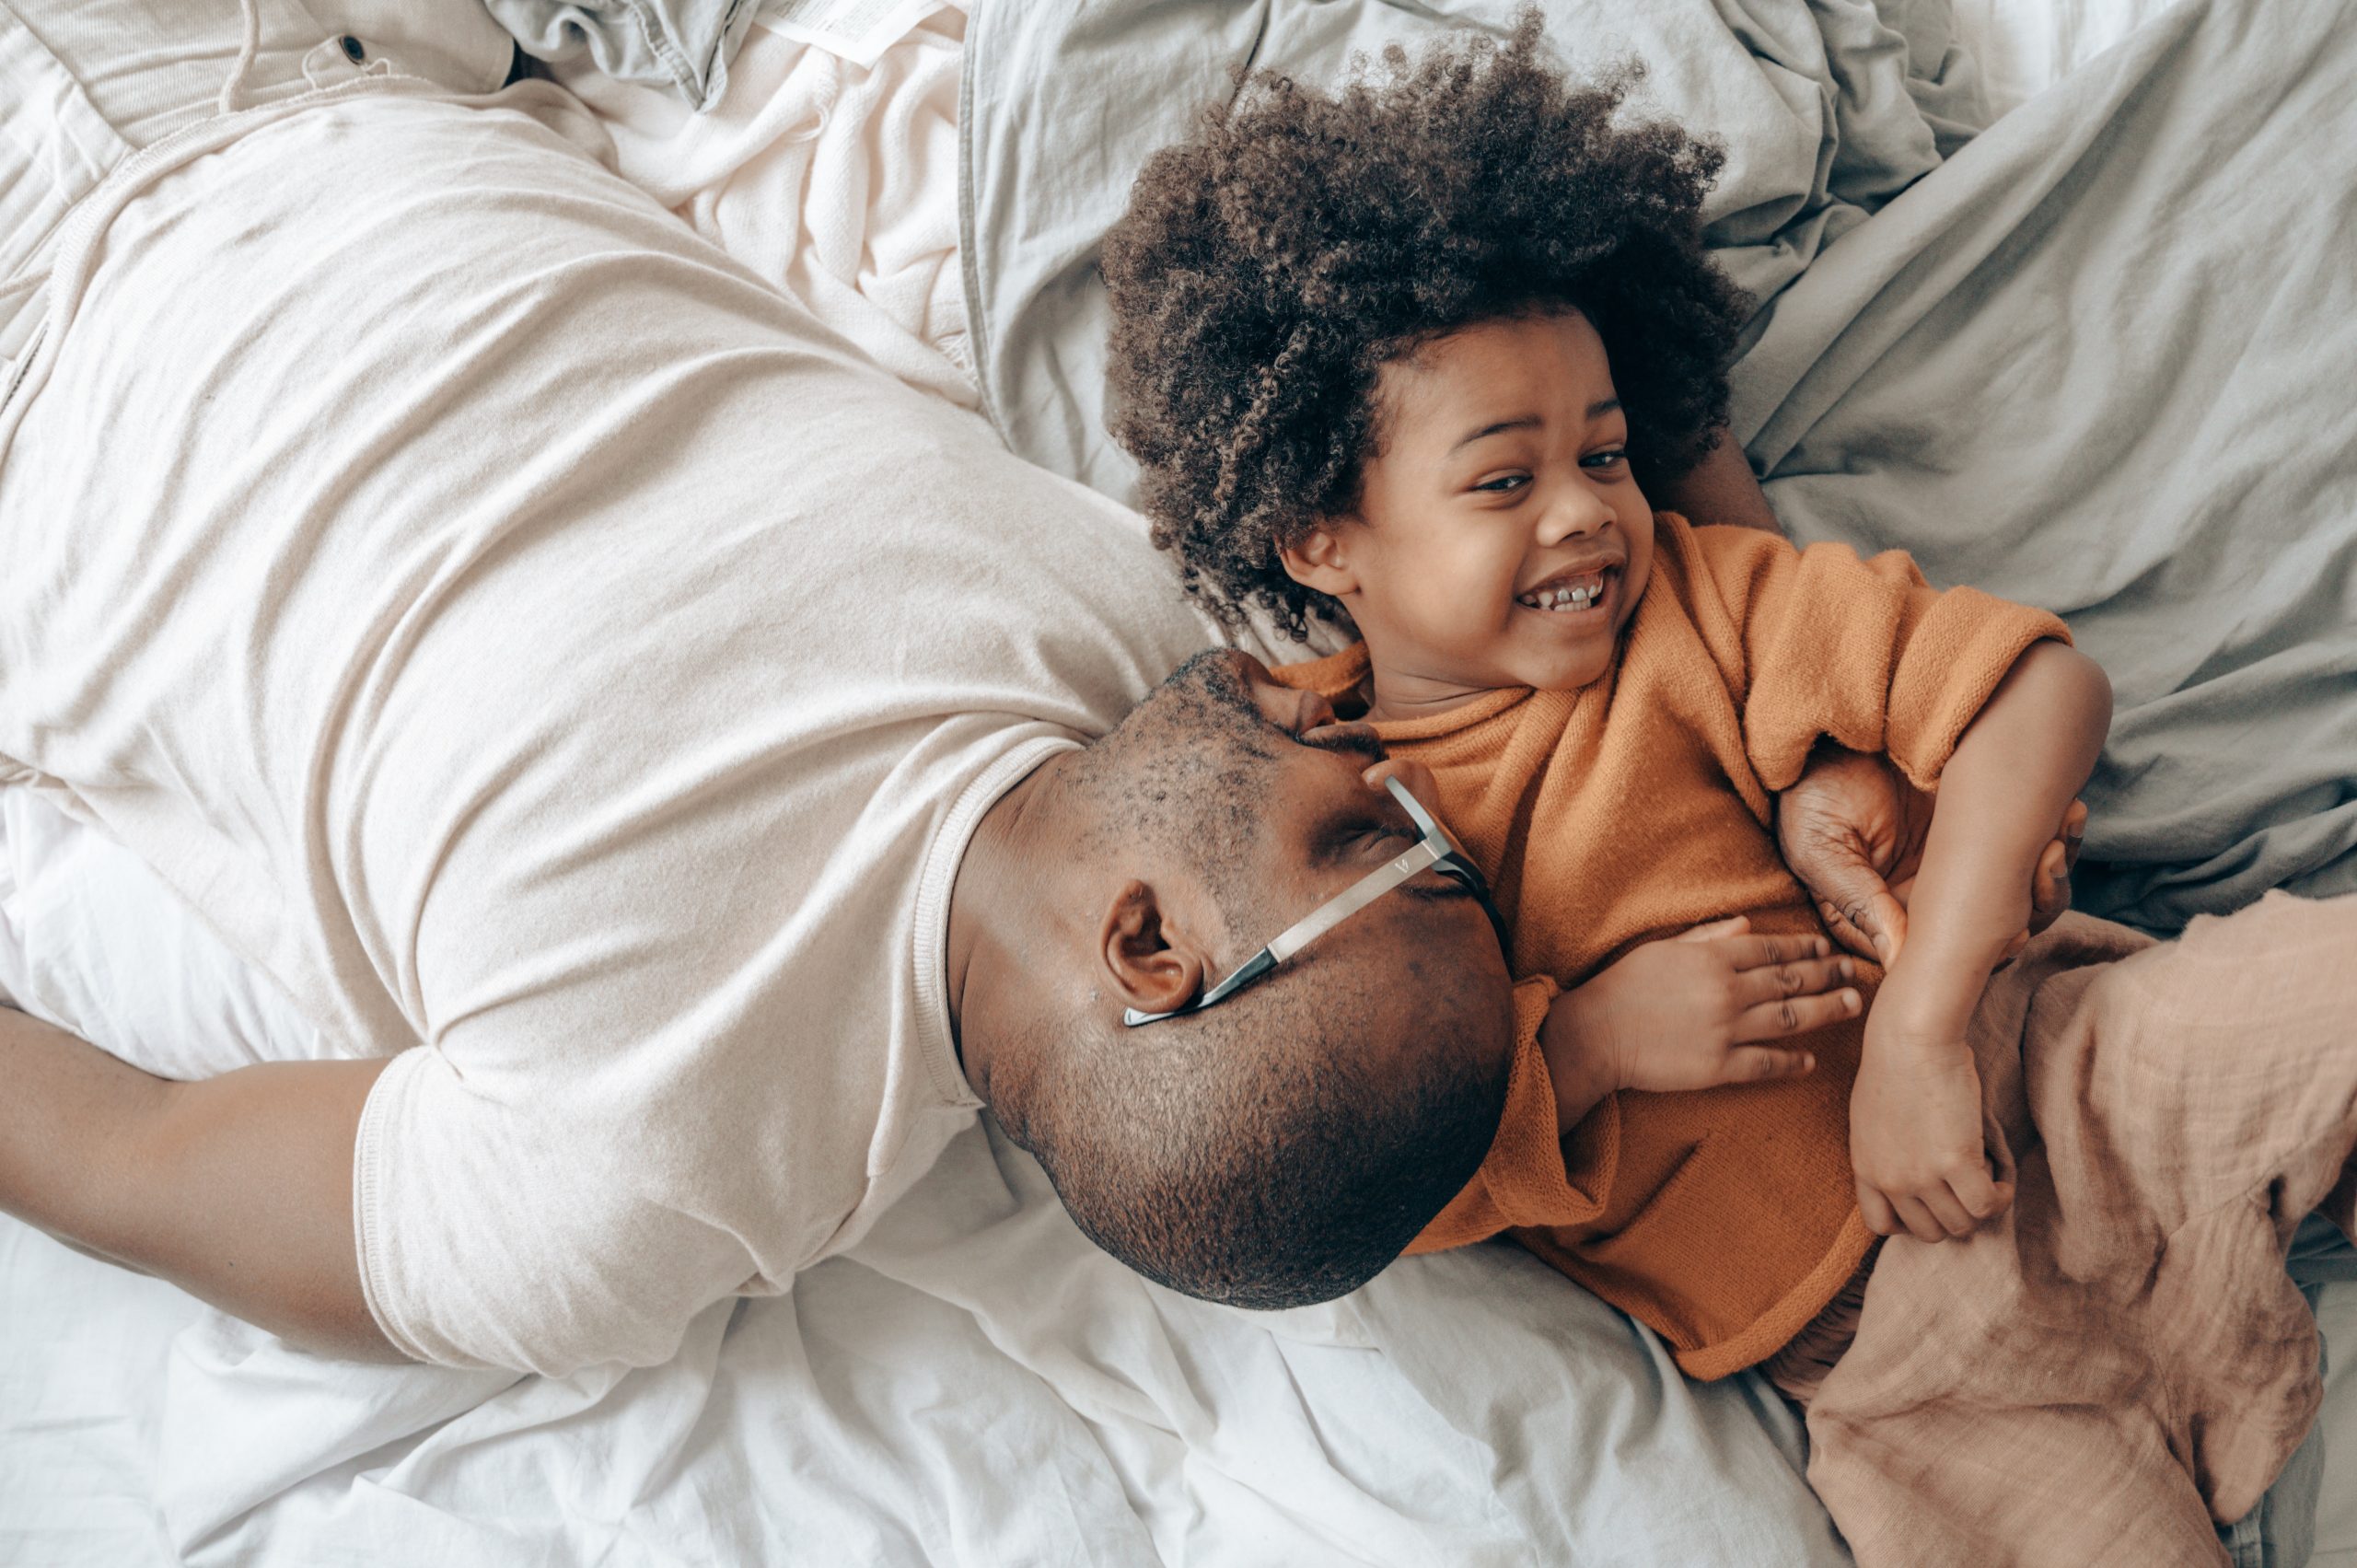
1252	969
1360	894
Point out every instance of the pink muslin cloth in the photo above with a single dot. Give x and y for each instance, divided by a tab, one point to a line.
2120	1358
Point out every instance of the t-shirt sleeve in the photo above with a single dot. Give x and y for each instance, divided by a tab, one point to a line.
1864	653
509	1235
1531	1176
579	1156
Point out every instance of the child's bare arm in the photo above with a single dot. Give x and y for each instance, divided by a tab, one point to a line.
1915	1114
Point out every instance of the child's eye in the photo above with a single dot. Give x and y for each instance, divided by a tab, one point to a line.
1607	460
1504	485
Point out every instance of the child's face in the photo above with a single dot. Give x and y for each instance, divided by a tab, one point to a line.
1499	539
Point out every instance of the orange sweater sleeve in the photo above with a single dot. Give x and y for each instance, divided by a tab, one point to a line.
1863	652
1531	1176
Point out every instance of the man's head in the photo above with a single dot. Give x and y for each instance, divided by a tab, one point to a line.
1281	1147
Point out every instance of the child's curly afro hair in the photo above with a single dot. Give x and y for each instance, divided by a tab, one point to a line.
1267	270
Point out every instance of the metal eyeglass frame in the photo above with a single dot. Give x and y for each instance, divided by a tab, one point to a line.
1434	851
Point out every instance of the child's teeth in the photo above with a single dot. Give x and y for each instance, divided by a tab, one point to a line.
1564	598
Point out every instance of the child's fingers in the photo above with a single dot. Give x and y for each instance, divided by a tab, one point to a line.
1875	1209
1759	952
1793	1014
1757	1064
1734	926
1981	1195
1949	1212
1808	976
1918	1220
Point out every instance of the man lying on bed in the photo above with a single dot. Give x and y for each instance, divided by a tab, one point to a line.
645	739
1601	699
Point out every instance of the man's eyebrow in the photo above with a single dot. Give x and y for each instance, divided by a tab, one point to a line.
1353	738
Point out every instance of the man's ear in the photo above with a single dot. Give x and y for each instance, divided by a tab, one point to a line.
1320	561
1151	964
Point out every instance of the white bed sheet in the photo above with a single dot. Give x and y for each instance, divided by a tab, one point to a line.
2024	46
974	1385
834	180
997	1402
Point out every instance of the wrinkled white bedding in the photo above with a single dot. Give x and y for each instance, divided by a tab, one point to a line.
836	182
974	1384
2025	45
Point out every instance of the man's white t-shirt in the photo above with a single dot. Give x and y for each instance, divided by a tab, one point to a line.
521	631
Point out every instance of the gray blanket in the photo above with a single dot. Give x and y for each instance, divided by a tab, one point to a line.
2099	359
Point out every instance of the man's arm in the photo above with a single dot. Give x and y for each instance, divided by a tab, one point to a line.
237	1189
1720	489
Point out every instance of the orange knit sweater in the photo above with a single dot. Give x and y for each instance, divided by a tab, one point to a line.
1641	805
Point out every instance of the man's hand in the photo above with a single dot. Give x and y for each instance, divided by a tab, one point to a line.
1695	1011
1853	830
1916	1142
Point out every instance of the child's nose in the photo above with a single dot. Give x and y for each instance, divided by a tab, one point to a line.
1574	511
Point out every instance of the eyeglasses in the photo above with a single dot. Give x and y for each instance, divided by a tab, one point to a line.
1434	851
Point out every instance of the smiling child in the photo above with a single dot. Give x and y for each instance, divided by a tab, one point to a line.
1408	359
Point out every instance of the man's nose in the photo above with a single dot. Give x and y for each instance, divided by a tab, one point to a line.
1575	510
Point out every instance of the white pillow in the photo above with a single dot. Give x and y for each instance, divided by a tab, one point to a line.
2026	46
91	940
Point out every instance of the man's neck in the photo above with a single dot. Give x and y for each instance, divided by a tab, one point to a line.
998	891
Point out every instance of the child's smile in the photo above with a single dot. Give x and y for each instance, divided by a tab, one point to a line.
1574	593
1499	539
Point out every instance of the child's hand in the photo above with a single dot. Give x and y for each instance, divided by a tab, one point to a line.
1694	1011
1915	1141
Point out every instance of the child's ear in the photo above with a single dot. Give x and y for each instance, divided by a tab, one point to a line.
1320	561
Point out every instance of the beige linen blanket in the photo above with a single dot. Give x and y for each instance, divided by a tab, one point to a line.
2120	1357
